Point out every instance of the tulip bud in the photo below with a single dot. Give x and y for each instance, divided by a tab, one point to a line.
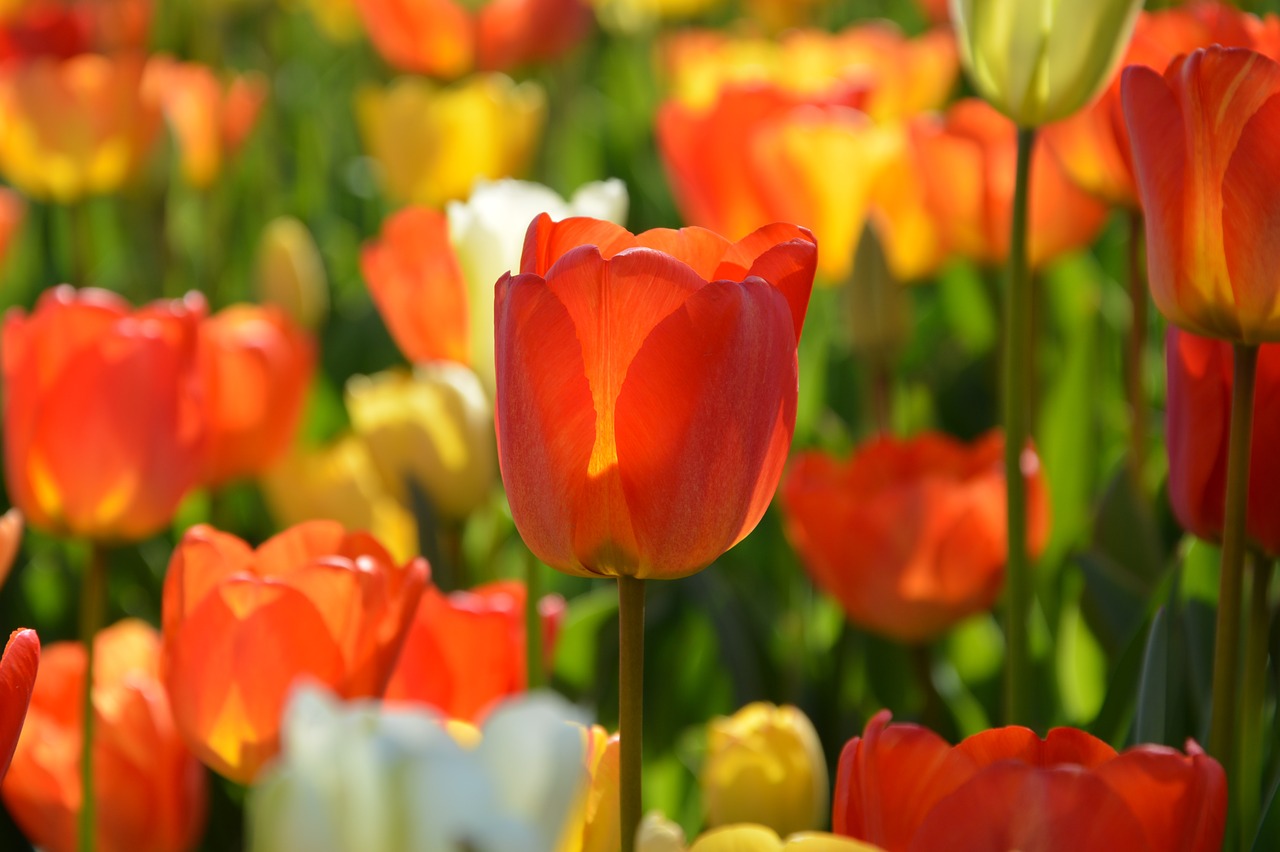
291	274
765	765
432	428
18	667
1039	61
659	834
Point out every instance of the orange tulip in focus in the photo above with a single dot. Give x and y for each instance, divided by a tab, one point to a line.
1208	169
209	120
904	788
150	791
909	535
241	627
646	390
448	38
12	210
75	127
258	367
18	669
466	650
103	412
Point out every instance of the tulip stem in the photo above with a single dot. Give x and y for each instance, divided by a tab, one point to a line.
1135	351
93	605
1017	421
533	622
630	703
1226	650
1253	696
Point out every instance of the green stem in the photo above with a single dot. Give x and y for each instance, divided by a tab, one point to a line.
1017	421
533	622
1253	696
630	703
1135	351
1226	650
93	606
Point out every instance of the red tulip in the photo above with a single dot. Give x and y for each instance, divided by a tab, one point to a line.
258	367
1197	414
18	669
904	788
646	390
466	650
64	28
103	412
241	627
909	535
149	791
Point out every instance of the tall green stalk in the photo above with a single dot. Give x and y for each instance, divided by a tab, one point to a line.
1253	696
1017	427
630	704
93	610
533	622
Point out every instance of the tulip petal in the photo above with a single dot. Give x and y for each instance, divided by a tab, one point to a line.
297	546
547	240
1180	800
1063	746
203	559
1251	212
18	669
784	255
701	250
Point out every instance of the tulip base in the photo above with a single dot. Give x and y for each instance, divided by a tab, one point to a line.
630	704
93	605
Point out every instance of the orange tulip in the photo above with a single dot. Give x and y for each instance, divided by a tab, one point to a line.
209	120
909	535
646	390
904	788
258	367
466	650
1093	145
12	210
18	669
241	627
103	412
1207	168
150	793
75	127
446	38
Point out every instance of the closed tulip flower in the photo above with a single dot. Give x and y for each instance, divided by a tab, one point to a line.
646	390
433	143
1203	142
465	651
289	272
18	669
908	535
1038	61
904	788
103	412
150	792
258	368
764	765
242	627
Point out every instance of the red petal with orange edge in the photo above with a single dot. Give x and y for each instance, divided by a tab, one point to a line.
1063	746
18	669
787	257
1251	216
700	249
302	543
1180	801
201	560
547	241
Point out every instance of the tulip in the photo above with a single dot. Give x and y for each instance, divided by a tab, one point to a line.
657	834
65	28
103	412
241	627
18	669
1038	61
366	777
76	127
209	120
765	765
904	788
465	651
433	144
594	826
149	791
432	276
258	368
12	211
290	272
618	492
10	540
909	535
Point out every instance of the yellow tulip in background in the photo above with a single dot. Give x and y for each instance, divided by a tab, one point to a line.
290	273
1038	61
764	765
658	834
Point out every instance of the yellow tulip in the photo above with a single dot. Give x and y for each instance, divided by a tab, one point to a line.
595	823
765	765
433	142
631	15
290	273
1039	61
757	838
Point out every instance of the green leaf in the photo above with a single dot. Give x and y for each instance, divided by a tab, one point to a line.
1150	724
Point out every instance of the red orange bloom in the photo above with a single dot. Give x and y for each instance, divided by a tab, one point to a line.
12	210
64	28
1207	167
11	527
646	390
258	368
445	38
1197	414
149	790
242	626
466	650
103	412
17	678
909	535
904	788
